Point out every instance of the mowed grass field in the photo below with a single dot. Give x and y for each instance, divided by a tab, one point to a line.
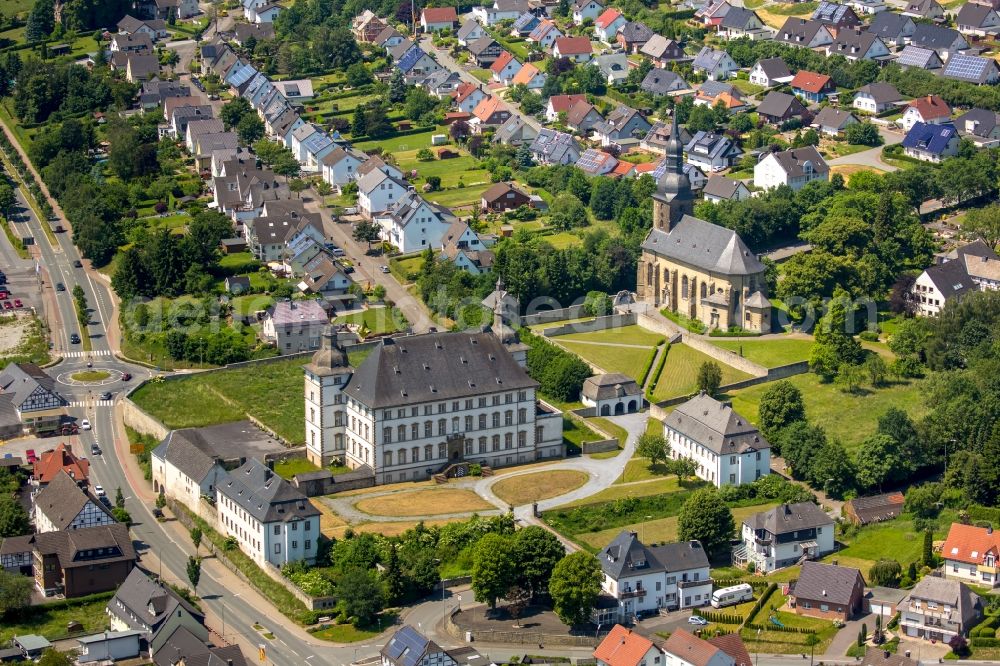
770	353
680	372
827	405
427	502
611	358
626	335
526	488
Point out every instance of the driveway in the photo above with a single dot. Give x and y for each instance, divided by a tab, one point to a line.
848	636
873	156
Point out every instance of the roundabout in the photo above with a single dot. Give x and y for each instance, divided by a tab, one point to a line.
90	377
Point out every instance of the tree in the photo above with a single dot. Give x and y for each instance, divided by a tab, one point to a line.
928	549
7	198
709	377
575	586
536	553
876	369
655	447
832	470
234	110
886	573
13	518
492	568
532	104
121	515
459	130
359	122
880	459
517	599
706	518
780	406
250	129
366	231
194	571
985	223
358	75
863	134
568	212
959	645
392	577
15	592
360	595
397	87
834	337
418	102
52	657
196	537
41	21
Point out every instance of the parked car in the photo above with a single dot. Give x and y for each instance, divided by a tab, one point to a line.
84	424
4	293
697	619
338	252
105	500
30	456
157	513
18	303
7	305
77	263
384	268
99	491
126	376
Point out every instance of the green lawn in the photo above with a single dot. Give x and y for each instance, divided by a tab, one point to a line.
400	144
575	433
747	88
644	489
51	622
627	360
895	538
459	196
626	335
846	417
680	372
286	469
376	320
770	353
483	75
795	8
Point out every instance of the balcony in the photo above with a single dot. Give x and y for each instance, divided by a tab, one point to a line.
694	583
632	594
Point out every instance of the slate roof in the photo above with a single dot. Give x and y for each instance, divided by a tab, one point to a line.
775	68
738	17
659	47
704	245
147	600
467	29
71	546
602	387
984	122
708	58
829	583
852	42
715	425
950	278
482	44
889	25
951	593
933	139
709	144
786	518
662	81
882	93
937	37
778	104
195	450
265	495
626	556
436	366
793	161
832	117
635	31
973	14
410	58
922	8
798	32
62	500
20	380
722	187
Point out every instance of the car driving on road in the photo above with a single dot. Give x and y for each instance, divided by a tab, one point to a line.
60	286
74	338
95	450
84	424
99	491
106	395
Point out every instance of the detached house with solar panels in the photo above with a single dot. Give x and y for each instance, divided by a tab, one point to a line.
931	143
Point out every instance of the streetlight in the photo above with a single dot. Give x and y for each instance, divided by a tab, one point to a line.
756	656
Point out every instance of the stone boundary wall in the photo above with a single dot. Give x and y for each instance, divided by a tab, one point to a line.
658	411
572	312
724	355
598	324
140	421
518	637
600	446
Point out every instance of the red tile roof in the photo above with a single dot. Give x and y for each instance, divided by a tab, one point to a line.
61	458
562	103
733	645
810	81
622	169
573	45
464	90
439	15
931	106
525	74
501	62
607	18
964	540
623	647
487	108
688	647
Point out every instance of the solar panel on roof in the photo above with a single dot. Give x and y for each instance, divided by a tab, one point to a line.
965	67
406	647
913	56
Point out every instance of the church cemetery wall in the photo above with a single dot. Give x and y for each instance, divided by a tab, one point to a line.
572	312
598	324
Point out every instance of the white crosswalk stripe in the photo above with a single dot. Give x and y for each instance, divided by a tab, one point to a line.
96	403
79	354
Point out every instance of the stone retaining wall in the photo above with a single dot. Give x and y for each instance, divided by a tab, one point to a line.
598	324
572	312
724	355
658	411
140	421
600	446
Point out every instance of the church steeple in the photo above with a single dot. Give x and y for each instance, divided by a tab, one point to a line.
673	198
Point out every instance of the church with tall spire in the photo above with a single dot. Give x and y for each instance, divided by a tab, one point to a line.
697	269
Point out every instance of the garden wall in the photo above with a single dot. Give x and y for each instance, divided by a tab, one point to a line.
773	374
724	355
598	324
600	446
518	637
572	312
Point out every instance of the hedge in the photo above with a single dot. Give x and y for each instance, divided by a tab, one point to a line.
771	587
985	642
730	582
774	627
720	618
978	512
658	371
647	367
412	130
987	628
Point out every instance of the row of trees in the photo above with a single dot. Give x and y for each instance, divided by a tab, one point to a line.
559	373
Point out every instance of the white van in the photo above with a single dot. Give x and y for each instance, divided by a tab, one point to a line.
729	596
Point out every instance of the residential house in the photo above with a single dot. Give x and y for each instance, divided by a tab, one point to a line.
469	32
938	609
196	128
366	26
181	114
505	67
804	33
524	24
515	132
310	144
972	267
594	162
892	28
434	19
586	10
828	591
415	62
812	86
183	648
978	20
643	578
545	34
340	165
972	554
31	394
877	97
467	96
485	51
633	36
442	84
491	112
552	147
945	41
242	189
58	461
662	51
739	22
623	127
136	42
794	168
836	16
142	604
925	9
294	326
856	44
613	66
727	449
712	152
712	93
715	65
155	92
929	110
141	67
977	70
606	25
712	12
413	224
916	57
658	138
980	126
874	508
720	188
463	247
503	197
153	28
867	7
778	107
322	276
833	121
577	49
582	117
377	191
177	9
63	505
76	563
561	104
408	647
685	649
390	38
500	10
786	535
242	32
770	72
885	601
237	284
660	82
624	647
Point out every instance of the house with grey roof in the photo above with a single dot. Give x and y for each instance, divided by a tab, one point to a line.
84	561
613	66
856	44
553	147
727	448
295	326
803	33
980	126
740	22
833	121
944	41
145	605
977	70
633	36
793	168
920	58
938	609
641	578
659	82
978	20
663	51
515	132
876	98
892	28
770	72
786	535
64	505
721	188
413	223
470	31
973	267
623	127
29	401
409	647
837	15
828	591
714	64
777	107
712	152
611	393
925	9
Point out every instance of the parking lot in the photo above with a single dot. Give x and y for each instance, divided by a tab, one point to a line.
22	285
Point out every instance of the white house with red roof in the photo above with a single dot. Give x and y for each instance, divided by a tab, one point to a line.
561	104
930	110
505	68
433	19
577	49
606	25
586	9
468	96
530	77
491	112
685	649
624	647
972	554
